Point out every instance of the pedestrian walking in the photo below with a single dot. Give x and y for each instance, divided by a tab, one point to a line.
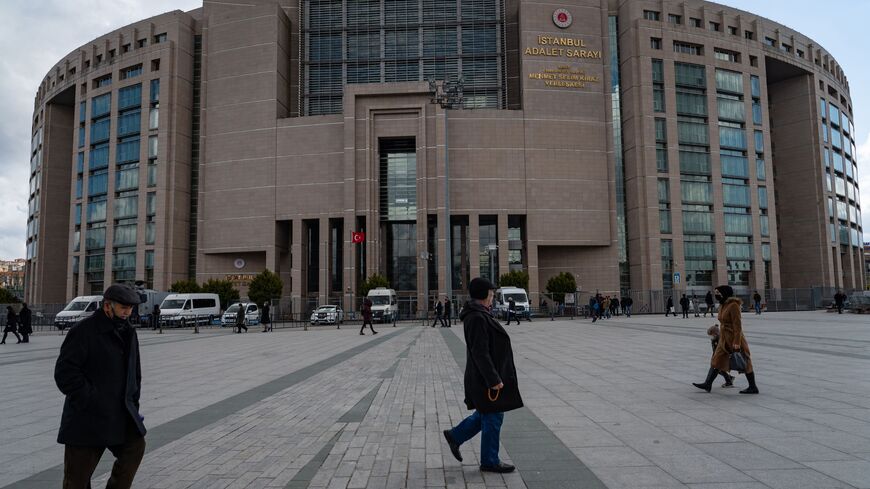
626	304
240	319
25	318
708	300
366	311
731	340
605	307
448	306
490	379
669	307
840	301
614	306
512	311
684	306
439	314
593	308
694	306
155	317
713	333
266	317
11	325
756	301
99	372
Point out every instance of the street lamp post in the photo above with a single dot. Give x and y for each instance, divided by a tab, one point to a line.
447	94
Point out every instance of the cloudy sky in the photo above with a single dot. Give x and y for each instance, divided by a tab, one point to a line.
35	34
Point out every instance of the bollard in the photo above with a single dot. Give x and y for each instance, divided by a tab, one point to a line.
196	325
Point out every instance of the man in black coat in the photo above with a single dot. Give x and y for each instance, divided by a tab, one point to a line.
439	314
25	317
684	306
240	318
99	372
448	306
490	379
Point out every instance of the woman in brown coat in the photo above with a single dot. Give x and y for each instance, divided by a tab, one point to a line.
731	339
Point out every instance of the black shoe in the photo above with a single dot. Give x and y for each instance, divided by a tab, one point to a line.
362	333
454	447
501	468
374	332
706	387
750	390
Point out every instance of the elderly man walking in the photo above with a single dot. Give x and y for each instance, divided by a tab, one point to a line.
490	379
99	372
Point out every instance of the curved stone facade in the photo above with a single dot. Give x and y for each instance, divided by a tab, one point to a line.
639	145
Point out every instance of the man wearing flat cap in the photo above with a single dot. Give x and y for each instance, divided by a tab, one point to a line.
490	379
98	371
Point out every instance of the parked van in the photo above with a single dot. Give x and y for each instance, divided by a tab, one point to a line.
79	308
385	304
187	309
148	298
521	302
252	314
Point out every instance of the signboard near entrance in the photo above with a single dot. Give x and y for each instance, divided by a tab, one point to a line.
676	278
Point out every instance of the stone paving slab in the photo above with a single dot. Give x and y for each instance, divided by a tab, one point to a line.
612	400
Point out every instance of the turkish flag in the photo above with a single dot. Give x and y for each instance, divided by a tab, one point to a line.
357	238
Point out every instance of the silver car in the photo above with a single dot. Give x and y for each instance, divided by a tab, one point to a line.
327	315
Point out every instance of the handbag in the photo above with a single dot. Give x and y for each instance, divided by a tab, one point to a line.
736	361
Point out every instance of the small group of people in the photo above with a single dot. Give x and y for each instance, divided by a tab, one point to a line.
690	305
18	323
265	318
605	307
442	313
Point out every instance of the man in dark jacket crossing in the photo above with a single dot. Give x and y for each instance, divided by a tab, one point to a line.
490	379
99	372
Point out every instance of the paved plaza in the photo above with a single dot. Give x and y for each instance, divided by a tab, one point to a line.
608	404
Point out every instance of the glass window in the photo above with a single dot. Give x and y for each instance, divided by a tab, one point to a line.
738	224
77	240
154	94
651	15
100	130
756	86
838	162
101	105
80	162
154	118
127	179
835	115
696	192
130	96
824	128
735	166
150	232
762	197
665	225
836	138
125	235
731	110
759	142
129	123
151	204
764	222
842	210
699	273
690	75
664	191
152	146
81	137
83	108
95	239
126	207
756	113
99	157
760	171
729	81
694	160
730	137
152	175
97	211
128	150
79	187
692	133
735	195
98	184
691	103
823	108
77	214
131	72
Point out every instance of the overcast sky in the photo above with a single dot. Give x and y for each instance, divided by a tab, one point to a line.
35	34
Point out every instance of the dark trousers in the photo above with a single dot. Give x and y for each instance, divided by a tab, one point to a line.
240	326
79	463
439	318
25	338
512	315
685	312
5	333
371	326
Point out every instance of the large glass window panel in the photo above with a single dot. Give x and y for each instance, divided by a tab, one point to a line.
152	175
836	138
842	210
150	232
154	95
664	190
824	129
126	207
756	86
838	162
756	113
77	214
665	221
78	187
840	186
127	150
101	105
667	252
154	118
398	180
760	169
735	195
658	71
699	273
835	116
692	133
124	261
127	179
658	98
95	238
151	204
764	221
699	250
129	123
696	192
125	235
98	184
738	224
130	97
152	146
735	166
97	211
729	81
738	251
762	197
827	157
691	75
731	110
823	108
80	162
731	137
83	108
81	136
697	222
98	157
100	130
689	103
77	240
694	160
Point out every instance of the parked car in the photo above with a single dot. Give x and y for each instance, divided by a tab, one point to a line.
328	314
252	314
79	308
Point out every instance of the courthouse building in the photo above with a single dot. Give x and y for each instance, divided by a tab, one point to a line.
639	144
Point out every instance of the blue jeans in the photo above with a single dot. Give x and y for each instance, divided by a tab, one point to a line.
628	311
489	427
757	308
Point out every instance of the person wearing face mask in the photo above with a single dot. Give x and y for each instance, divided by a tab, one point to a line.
99	372
731	339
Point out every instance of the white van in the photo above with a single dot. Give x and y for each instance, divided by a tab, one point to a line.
252	314
385	304
187	309
148	298
521	302
79	308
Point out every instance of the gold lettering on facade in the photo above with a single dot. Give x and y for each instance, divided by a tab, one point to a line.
565	77
562	52
240	277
